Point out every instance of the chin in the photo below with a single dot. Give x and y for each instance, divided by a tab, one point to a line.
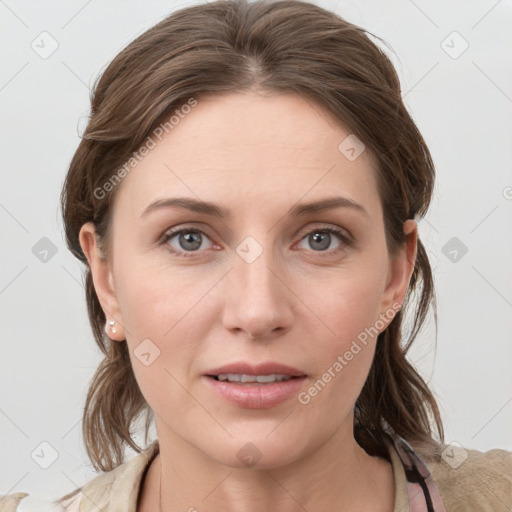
258	451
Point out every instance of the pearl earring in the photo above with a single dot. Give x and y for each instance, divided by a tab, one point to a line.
111	323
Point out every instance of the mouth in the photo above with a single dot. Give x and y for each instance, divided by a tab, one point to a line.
255	386
252	379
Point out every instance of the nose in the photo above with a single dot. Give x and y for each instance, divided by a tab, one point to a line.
259	300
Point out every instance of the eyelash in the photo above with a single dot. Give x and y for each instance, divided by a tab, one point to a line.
345	239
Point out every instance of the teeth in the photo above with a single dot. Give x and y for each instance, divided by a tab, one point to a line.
235	377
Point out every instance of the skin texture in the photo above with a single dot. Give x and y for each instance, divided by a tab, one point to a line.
258	154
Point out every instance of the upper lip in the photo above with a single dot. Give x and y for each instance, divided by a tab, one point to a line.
267	368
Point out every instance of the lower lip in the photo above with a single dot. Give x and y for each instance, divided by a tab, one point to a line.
255	395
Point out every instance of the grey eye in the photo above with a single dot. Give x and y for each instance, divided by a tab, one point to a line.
188	240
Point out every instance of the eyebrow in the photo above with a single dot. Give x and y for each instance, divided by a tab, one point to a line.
214	210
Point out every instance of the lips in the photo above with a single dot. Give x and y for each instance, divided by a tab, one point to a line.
260	386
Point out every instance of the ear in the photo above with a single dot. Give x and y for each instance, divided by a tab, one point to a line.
103	280
401	267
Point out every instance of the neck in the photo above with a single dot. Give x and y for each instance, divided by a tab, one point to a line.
338	475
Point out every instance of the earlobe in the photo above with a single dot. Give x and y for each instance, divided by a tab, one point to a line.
102	280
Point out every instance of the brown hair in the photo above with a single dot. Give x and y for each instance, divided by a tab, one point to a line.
288	46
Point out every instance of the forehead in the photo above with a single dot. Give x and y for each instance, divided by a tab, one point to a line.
250	148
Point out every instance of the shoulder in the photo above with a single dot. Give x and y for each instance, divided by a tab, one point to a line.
121	485
23	502
473	480
9	502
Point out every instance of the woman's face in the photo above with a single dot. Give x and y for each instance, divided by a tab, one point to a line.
266	284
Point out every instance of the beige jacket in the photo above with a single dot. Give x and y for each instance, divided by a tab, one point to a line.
466	480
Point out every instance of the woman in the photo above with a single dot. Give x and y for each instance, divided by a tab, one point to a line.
245	200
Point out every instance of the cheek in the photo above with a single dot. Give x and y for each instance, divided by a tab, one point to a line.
348	312
163	315
156	300
346	304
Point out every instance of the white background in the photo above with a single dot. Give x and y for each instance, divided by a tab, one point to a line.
463	106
